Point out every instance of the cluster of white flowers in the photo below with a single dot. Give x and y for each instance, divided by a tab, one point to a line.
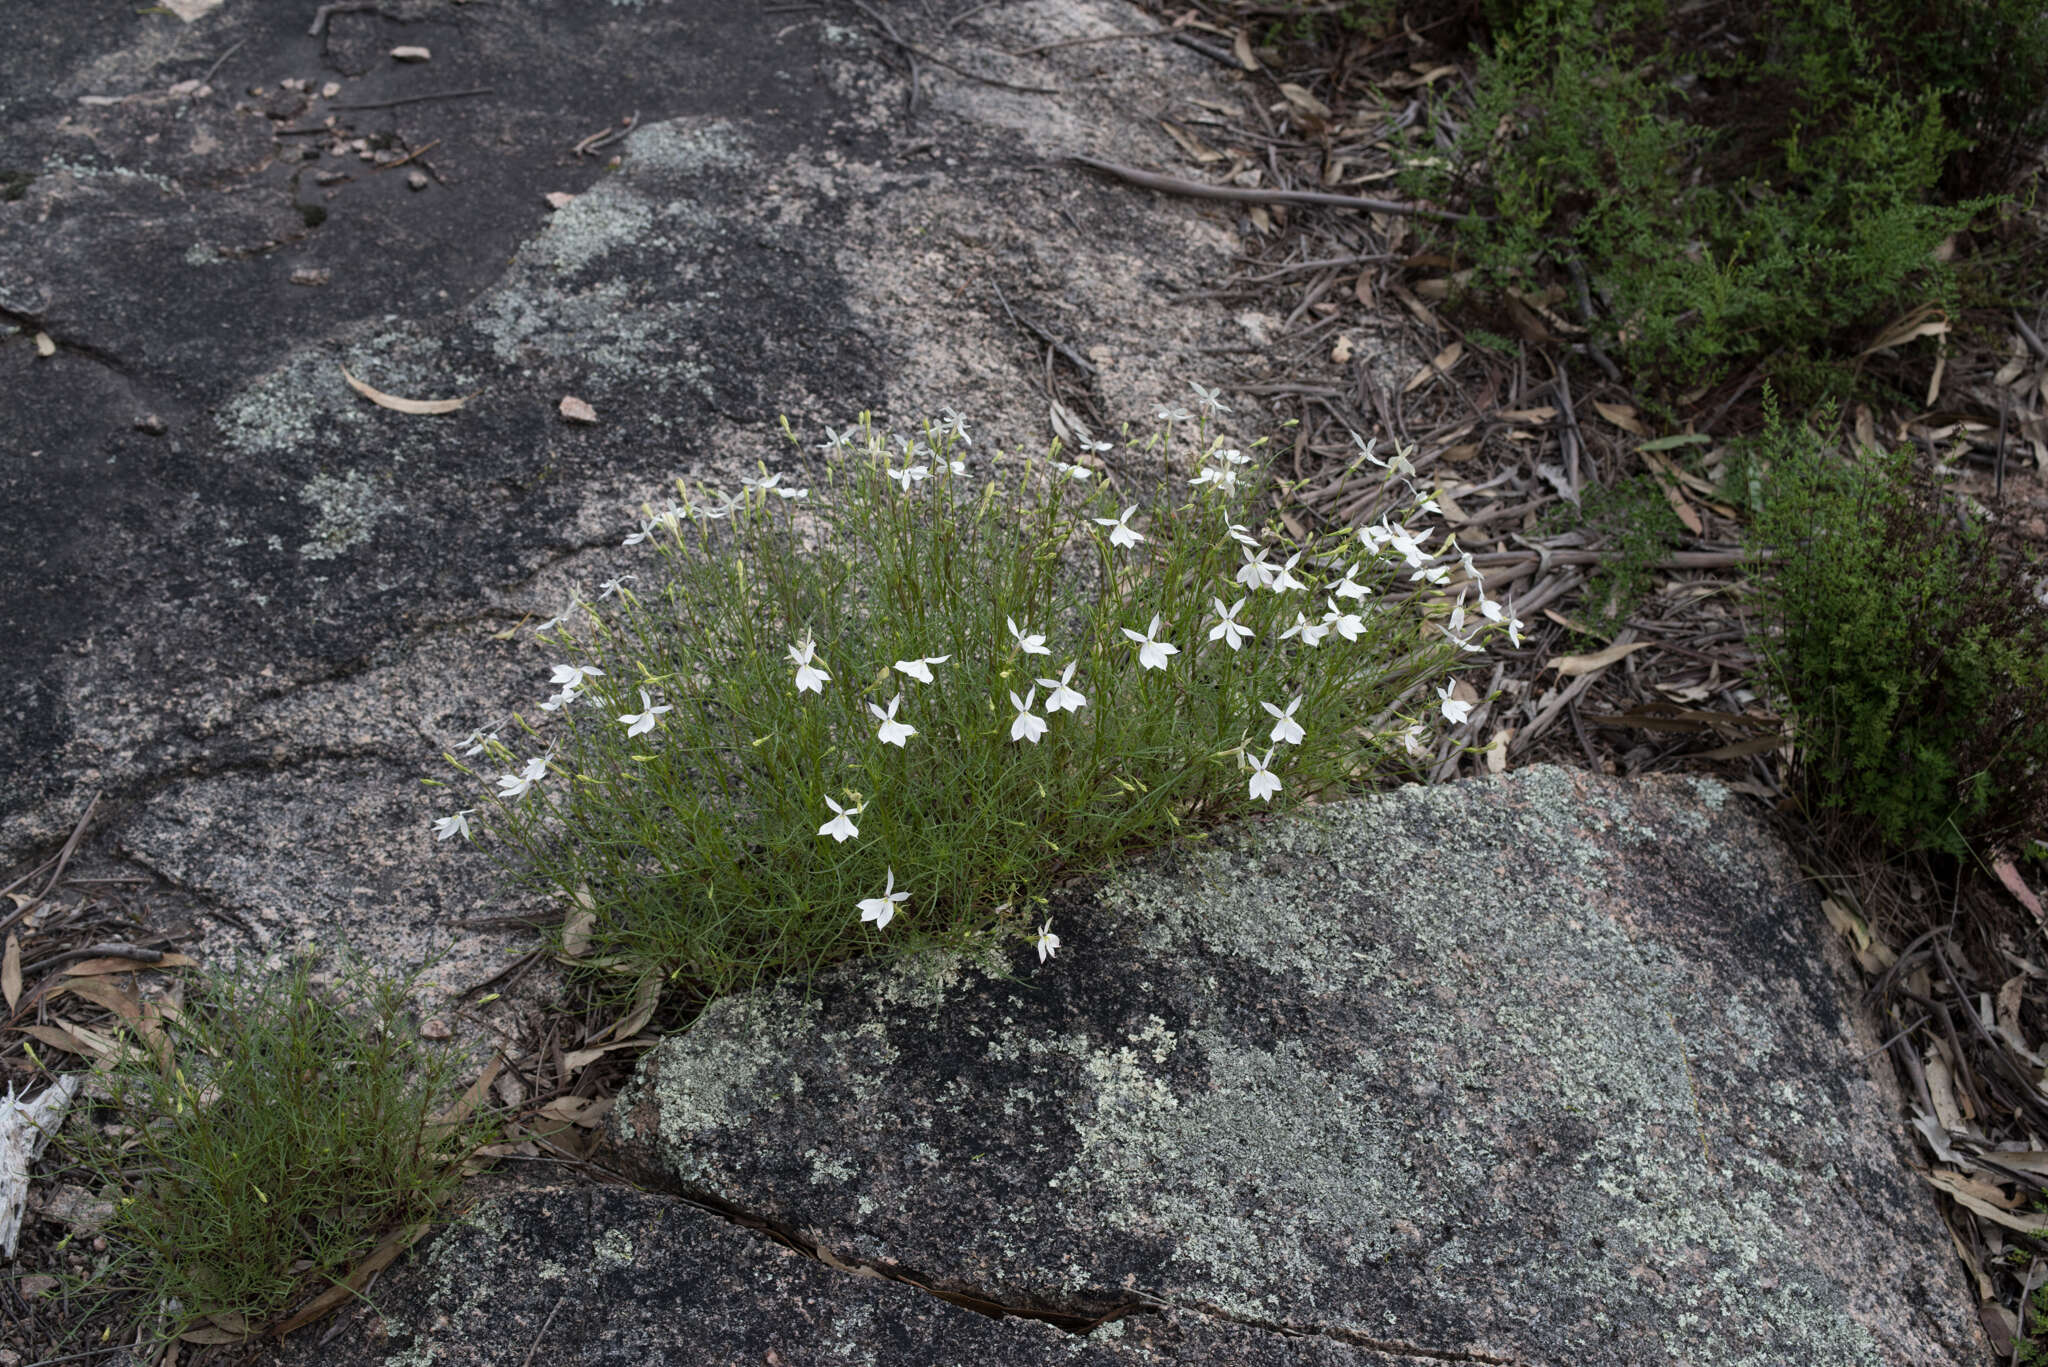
908	461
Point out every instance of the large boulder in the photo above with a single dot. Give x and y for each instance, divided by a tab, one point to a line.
1551	1069
606	1277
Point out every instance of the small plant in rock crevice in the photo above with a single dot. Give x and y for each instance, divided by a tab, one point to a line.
889	712
258	1143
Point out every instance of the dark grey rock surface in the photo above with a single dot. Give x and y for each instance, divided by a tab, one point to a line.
607	1277
1547	1070
255	621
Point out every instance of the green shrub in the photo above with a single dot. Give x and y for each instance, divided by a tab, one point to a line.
688	789
1911	654
1744	180
1634	522
268	1136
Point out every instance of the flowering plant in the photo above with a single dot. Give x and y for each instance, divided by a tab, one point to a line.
822	727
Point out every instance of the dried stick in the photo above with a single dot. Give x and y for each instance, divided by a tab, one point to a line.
1194	189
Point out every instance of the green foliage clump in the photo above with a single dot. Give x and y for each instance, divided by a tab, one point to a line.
270	1132
1633	520
1911	654
787	639
1743	179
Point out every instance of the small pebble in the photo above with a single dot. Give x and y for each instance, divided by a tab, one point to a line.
411	54
418	180
330	90
151	424
575	410
436	1029
311	276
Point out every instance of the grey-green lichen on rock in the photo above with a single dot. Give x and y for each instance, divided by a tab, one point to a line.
346	509
1516	1067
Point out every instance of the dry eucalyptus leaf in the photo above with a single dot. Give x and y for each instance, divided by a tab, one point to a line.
575	410
374	1262
1301	99
1622	416
1574	665
1440	364
2025	1224
576	934
398	405
576	1060
10	971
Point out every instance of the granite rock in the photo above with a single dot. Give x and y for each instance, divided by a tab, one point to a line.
607	1277
1554	1069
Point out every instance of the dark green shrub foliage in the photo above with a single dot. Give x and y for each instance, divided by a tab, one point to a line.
1911	654
1742	179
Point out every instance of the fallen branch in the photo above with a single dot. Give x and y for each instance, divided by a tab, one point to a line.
1195	189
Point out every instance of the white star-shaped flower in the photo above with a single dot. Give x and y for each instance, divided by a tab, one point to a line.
1026	641
1026	726
1229	630
1350	587
882	909
641	722
476	742
1283	578
1286	730
1063	698
1120	532
1224	479
448	827
810	678
921	670
1255	573
841	827
1349	625
952	424
612	586
1411	741
1311	633
1173	413
1208	398
571	677
1265	782
517	785
1045	942
909	475
1152	652
1432	574
556	621
1076	472
1455	711
892	732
